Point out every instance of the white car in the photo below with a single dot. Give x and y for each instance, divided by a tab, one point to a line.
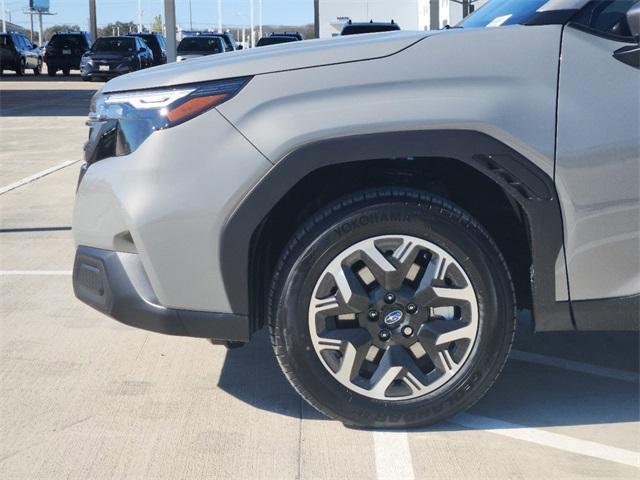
384	203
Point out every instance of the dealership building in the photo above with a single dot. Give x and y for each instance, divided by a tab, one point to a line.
409	14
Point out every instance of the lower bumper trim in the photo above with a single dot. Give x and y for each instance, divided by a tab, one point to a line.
116	284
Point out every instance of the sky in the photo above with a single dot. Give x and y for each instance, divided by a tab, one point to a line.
235	12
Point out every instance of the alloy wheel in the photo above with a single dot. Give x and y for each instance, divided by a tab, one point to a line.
393	317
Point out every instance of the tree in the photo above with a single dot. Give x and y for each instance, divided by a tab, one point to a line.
48	33
156	26
117	28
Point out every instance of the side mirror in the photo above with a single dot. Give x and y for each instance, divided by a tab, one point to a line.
141	50
633	20
240	47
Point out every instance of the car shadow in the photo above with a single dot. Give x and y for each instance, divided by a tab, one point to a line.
8	76
526	393
45	103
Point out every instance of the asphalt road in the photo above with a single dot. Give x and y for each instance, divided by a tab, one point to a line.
84	397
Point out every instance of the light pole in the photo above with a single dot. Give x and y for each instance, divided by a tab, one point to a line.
4	19
219	16
190	17
139	16
170	22
40	33
316	19
253	25
93	23
260	17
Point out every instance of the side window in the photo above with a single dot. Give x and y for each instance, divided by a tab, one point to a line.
608	17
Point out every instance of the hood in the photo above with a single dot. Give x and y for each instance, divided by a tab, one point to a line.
256	61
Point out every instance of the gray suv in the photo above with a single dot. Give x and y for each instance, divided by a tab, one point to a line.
384	203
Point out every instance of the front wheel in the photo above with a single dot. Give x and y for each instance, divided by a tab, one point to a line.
37	70
51	71
392	308
20	68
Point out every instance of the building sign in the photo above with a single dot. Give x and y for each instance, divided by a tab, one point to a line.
39	5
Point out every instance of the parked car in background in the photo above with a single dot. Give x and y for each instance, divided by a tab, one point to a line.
200	46
18	54
113	56
296	35
64	51
228	38
353	28
274	39
158	45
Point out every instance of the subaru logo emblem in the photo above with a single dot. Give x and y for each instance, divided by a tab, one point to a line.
393	317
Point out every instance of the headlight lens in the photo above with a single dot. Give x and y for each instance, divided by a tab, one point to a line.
121	122
167	107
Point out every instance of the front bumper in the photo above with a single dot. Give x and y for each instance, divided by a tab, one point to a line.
168	202
93	71
72	62
117	285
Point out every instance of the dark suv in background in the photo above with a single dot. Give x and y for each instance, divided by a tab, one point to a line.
228	38
65	50
113	56
17	53
353	28
158	45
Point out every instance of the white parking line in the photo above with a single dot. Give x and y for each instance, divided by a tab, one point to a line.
548	439
393	457
43	173
9	273
623	375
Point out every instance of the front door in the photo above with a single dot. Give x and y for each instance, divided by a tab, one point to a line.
598	156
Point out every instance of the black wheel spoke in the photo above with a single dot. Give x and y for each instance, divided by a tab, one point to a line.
436	336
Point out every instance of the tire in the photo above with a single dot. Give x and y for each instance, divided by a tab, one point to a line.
20	68
38	69
413	232
51	71
66	72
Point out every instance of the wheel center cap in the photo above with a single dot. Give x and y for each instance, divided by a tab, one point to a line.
393	318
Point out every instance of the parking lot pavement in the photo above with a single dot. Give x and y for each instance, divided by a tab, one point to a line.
83	397
41	125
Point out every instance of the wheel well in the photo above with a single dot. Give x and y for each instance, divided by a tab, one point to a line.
452	179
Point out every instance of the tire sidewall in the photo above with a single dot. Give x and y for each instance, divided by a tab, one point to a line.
473	251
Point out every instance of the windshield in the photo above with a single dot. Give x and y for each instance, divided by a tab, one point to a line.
497	13
123	45
200	44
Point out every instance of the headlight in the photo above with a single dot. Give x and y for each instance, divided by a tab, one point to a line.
121	122
167	107
86	61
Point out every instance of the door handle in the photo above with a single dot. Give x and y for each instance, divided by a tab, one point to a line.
629	55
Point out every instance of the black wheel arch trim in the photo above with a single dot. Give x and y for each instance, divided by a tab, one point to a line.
523	182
